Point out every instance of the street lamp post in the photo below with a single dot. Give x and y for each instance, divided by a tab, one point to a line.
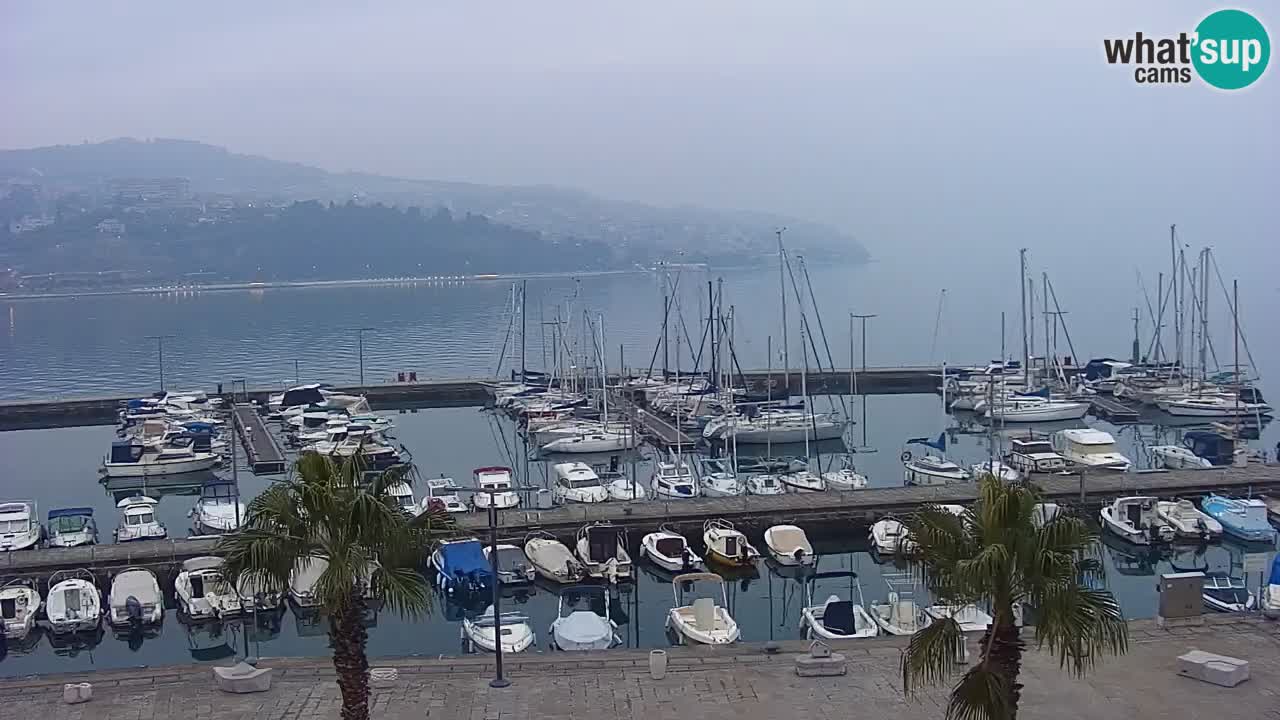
863	319
160	352
498	680
360	339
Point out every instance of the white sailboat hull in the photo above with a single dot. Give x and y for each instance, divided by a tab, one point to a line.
1050	412
199	463
760	436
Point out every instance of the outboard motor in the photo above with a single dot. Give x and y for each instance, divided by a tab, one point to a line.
133	608
686	558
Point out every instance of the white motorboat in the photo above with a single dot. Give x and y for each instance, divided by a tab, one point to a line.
579	625
970	618
257	594
74	603
1093	449
20	603
514	567
933	470
776	427
72	527
996	469
1034	455
899	614
672	479
494	478
130	458
552	560
835	618
1176	457
764	484
599	441
803	480
670	551
1224	593
401	495
1022	409
19	528
219	509
138	520
1135	519
621	487
702	620
1187	520
788	545
846	478
718	478
202	591
727	545
134	599
1044	513
442	491
302	584
1211	406
888	534
577	483
481	633
296	399
602	548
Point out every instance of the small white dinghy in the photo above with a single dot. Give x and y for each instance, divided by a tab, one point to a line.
970	618
836	618
202	592
670	551
788	545
135	599
552	559
888	534
579	625
482	632
1187	520
19	604
74	603
899	614
701	621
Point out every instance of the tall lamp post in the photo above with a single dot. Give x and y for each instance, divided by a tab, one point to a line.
498	681
360	341
160	352
863	319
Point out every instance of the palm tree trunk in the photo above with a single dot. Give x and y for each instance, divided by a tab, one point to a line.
348	636
1006	658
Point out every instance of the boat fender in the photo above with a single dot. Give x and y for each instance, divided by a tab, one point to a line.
905	456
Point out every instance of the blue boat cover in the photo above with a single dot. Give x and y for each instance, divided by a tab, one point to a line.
465	558
70	512
939	444
134	404
198	427
1041	393
1275	571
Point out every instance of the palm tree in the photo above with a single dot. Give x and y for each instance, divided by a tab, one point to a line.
999	554
372	550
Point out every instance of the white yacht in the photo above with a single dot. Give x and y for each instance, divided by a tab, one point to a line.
578	625
443	491
496	478
1187	520
20	603
836	618
1135	519
670	551
138	520
672	479
576	483
602	548
481	633
702	620
1211	406
1092	449
719	478
133	459
788	545
933	470
1034	455
19	528
135	599
219	509
72	527
203	592
74	603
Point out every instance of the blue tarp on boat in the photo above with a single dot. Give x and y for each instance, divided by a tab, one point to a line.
463	567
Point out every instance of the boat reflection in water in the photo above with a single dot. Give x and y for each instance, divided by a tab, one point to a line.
1130	559
214	640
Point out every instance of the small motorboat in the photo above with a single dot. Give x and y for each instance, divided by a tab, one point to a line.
74	603
1243	518
552	559
670	551
513	567
20	528
702	620
970	618
219	509
673	480
72	527
726	545
995	469
1226	594
788	545
497	486
846	478
888	535
803	480
1187	520
481	633
1135	519
602	548
1271	594
579	625
401	495
444	492
20	603
576	482
138	521
718	478
131	458
1176	457
462	567
835	618
763	484
202	592
621	487
135	599
1034	455
933	470
302	585
1092	449
899	614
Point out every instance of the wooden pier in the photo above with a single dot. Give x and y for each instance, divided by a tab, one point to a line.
265	455
1113	410
826	512
657	429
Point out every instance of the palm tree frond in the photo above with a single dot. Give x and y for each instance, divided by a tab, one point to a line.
982	694
930	657
1079	625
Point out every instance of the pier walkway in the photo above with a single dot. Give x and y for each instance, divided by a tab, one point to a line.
1112	410
817	512
265	455
734	682
657	429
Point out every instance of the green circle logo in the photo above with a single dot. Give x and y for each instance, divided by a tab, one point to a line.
1232	49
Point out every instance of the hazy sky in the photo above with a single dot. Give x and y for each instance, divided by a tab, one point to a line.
924	123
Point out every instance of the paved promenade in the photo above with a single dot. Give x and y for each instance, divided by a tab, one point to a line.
738	683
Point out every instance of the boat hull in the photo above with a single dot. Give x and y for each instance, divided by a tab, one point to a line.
129	470
751	436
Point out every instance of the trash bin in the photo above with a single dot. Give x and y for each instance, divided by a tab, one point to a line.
542	499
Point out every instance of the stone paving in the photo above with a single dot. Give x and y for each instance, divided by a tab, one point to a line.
741	682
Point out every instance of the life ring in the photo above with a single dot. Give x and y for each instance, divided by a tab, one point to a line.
905	456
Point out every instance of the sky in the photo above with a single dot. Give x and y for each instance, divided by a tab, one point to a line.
935	125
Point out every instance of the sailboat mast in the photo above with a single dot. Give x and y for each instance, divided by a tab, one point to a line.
782	289
1044	290
1235	316
768	389
1177	309
524	286
1204	319
1026	352
604	374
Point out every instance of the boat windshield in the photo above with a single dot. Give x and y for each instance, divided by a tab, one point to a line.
14	526
1029	448
584	482
1099	449
68	523
139	519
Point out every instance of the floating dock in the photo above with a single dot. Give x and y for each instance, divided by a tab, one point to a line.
263	451
657	429
817	512
1113	410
